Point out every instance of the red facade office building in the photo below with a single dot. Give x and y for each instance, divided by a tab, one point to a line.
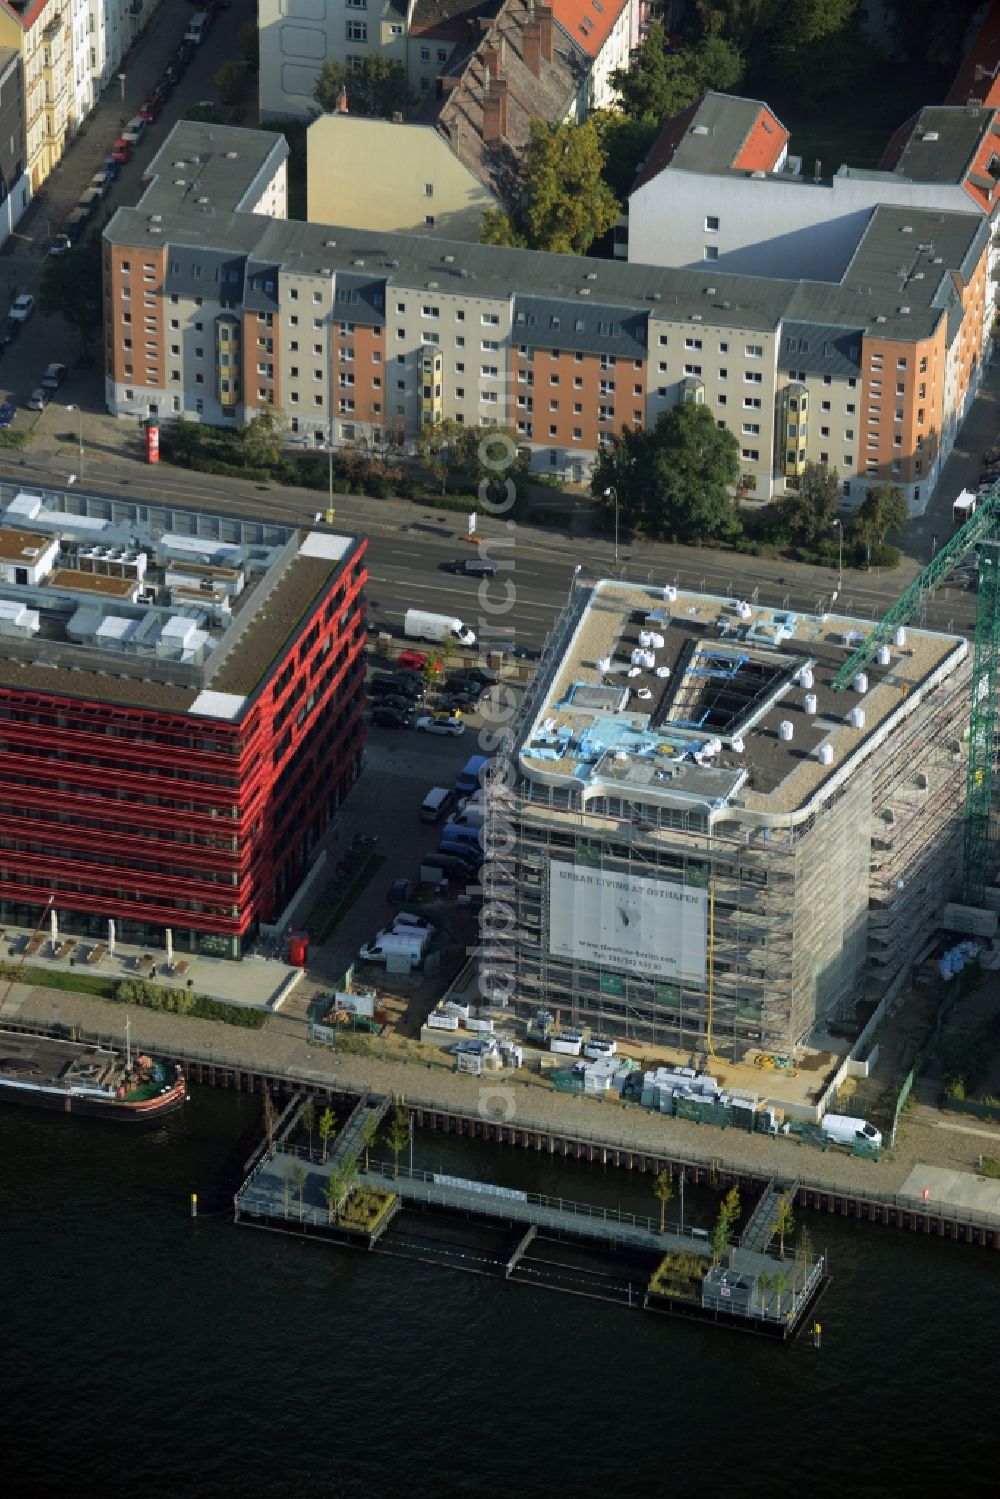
180	714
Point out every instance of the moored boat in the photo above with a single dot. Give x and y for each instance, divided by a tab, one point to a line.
46	1072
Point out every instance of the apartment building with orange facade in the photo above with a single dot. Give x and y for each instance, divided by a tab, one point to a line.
217	308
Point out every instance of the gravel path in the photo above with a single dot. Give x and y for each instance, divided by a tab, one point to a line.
925	1135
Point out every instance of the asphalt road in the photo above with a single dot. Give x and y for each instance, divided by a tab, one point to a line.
410	546
25	254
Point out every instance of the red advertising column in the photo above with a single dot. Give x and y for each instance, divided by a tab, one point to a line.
152	442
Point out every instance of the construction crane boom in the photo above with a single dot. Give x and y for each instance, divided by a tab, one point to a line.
979	527
981	530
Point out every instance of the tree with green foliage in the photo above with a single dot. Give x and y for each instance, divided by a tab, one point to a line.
626	143
71	288
261	440
663	1191
333	1191
327	1130
204	114
780	1284
675	480
235	82
397	1135
763	1288
816	49
438	446
369	1132
375	86
659	82
882	510
307	1119
248	44
784	1222
811	510
564	202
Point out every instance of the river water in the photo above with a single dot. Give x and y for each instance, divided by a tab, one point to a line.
145	1354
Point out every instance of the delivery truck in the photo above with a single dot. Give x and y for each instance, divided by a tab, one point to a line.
418	624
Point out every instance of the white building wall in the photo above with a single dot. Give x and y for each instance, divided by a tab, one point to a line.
793	228
614	54
298	36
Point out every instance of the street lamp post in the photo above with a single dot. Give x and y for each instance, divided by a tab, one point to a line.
79	418
121	80
840	556
609	493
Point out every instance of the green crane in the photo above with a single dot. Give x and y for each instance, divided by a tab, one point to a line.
981	530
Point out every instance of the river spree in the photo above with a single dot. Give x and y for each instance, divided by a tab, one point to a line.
148	1355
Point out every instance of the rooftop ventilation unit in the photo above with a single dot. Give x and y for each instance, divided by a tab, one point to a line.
180	182
695	317
700	130
880	318
591	275
156	218
329	244
584	291
759	175
930	135
906	228
708	291
448	259
432	286
231	155
357	262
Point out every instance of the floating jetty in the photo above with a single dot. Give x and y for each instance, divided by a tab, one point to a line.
625	1256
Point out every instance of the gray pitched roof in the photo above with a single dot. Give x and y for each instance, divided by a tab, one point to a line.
904	261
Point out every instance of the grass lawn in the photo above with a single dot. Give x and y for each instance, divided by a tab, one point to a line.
76	982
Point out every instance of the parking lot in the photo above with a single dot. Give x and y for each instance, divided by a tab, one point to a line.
401	767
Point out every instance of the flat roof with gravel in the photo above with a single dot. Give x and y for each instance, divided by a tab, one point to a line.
662	694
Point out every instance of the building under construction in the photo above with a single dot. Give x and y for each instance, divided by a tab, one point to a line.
696	840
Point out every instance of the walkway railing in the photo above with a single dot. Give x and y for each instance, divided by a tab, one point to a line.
664	1151
521	1205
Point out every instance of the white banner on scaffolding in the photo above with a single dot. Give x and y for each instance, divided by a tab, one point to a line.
628	923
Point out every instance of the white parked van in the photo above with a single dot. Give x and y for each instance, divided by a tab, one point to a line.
436	803
419	624
197	27
844	1130
409	944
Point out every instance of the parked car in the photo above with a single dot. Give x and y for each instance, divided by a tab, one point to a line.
10	331
151	108
394	700
441	724
399	891
121	151
391	718
54	376
134	131
455	707
22	307
7	413
382	685
412	660
75	224
39	399
110	166
102	180
89	200
411	921
484	674
61	242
